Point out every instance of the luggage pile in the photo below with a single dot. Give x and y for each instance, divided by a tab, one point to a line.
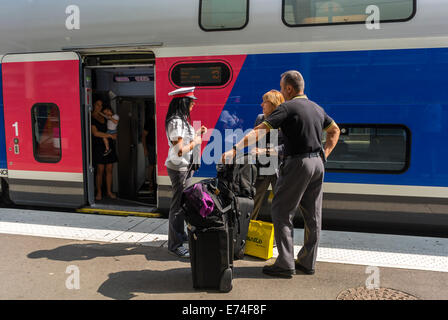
217	212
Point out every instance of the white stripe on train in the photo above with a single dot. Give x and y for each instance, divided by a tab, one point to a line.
46	175
33	57
306	46
363	189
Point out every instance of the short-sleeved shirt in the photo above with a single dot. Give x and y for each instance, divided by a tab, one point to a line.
112	125
178	128
302	122
101	127
98	146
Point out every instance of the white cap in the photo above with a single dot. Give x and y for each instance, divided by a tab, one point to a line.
183	92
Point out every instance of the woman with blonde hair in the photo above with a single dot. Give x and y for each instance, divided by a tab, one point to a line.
267	175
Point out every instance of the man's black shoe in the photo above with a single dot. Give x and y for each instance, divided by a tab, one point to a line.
302	269
278	272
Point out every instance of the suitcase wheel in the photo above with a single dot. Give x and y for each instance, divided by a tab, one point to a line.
225	284
241	253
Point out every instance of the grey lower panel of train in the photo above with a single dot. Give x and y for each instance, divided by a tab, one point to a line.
50	193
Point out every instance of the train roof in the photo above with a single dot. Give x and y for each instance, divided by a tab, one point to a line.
172	28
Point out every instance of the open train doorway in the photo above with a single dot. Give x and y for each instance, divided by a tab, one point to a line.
121	173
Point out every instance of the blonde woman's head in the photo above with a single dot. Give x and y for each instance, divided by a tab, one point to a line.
271	100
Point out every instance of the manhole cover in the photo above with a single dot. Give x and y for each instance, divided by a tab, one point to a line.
363	293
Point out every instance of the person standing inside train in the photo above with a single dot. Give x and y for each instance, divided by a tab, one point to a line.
266	174
301	174
182	139
103	163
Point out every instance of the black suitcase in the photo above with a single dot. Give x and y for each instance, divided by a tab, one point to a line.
211	257
211	238
244	208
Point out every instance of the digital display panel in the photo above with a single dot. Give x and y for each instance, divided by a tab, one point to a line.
201	74
207	75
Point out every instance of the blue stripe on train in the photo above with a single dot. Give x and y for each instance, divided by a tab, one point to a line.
3	164
407	87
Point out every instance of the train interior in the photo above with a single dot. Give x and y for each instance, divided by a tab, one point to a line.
125	83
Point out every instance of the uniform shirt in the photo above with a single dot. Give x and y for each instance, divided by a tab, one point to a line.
177	128
302	122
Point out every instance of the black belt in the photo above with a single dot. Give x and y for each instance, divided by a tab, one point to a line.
304	155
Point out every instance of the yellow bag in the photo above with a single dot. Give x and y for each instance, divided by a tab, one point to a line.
260	239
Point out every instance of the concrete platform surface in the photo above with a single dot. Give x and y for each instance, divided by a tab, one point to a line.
54	255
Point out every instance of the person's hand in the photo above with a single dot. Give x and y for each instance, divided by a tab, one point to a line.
228	156
106	116
254	151
202	130
112	136
258	151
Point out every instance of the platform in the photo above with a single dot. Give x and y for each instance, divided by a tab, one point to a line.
420	263
382	250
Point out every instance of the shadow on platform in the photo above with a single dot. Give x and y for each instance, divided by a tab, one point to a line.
123	285
76	252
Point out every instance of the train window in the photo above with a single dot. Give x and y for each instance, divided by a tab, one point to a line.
46	132
322	12
371	148
216	15
209	74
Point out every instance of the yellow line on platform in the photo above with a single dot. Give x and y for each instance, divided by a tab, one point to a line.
120	212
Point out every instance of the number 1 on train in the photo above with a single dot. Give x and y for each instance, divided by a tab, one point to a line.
16	126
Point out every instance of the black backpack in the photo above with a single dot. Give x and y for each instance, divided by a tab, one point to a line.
240	175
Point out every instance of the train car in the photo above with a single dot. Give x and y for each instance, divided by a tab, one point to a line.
377	67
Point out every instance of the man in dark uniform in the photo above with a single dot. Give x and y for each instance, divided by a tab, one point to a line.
301	175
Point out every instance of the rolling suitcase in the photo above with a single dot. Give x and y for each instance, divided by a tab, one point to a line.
210	235
211	258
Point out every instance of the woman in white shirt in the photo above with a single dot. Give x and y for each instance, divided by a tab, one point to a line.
182	139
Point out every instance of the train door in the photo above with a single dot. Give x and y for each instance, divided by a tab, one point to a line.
128	90
43	121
